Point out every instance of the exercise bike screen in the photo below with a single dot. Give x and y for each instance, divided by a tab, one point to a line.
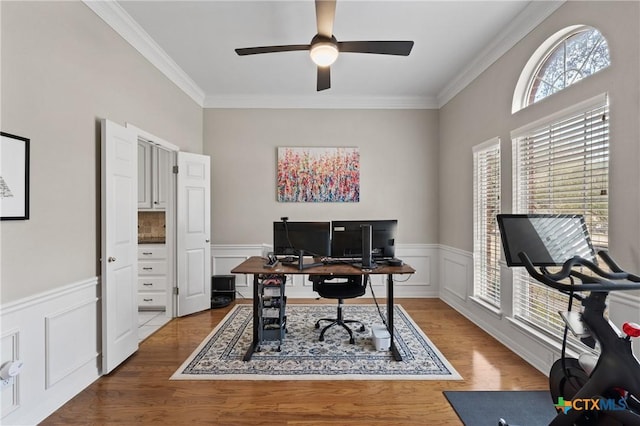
548	240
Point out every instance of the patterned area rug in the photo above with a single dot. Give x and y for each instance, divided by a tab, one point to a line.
303	357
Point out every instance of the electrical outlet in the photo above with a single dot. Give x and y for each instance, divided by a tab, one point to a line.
5	383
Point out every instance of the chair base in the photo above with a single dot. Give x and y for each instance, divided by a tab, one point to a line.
341	322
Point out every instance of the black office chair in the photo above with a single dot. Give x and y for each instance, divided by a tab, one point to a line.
338	287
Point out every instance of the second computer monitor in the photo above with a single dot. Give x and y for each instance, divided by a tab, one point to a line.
312	237
346	241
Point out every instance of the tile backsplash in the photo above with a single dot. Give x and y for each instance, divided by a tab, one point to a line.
151	227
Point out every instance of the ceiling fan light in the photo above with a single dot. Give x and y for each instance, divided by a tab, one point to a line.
324	54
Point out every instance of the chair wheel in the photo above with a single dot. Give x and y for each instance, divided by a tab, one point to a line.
317	325
361	329
279	350
352	341
321	339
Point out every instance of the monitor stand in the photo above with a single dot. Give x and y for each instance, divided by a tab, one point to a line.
302	266
367	258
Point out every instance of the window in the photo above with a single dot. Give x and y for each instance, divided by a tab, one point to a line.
486	204
565	58
561	165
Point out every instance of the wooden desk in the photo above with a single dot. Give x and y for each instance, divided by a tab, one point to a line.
255	266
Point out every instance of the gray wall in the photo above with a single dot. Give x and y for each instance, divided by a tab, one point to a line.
398	160
483	110
64	69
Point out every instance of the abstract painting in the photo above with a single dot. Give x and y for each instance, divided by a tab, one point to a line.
318	175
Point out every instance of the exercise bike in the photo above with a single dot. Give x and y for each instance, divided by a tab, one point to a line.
590	390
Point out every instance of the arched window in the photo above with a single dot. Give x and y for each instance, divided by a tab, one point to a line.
564	59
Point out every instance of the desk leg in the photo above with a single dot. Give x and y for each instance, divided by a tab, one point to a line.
394	349
254	343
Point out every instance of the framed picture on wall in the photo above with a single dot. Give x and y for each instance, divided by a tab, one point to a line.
318	175
14	177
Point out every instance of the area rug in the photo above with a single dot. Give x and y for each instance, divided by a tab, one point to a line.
303	357
524	408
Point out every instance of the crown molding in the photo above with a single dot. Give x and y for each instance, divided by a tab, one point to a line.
523	24
122	23
320	102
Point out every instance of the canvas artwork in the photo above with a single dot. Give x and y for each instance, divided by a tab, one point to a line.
318	175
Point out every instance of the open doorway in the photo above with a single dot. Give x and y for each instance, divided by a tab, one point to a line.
181	267
174	263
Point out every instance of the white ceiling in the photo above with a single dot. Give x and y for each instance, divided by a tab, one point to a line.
193	43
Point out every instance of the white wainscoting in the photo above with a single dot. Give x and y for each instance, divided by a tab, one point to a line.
456	289
225	257
56	334
422	257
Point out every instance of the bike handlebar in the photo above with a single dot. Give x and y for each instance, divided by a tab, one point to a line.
602	282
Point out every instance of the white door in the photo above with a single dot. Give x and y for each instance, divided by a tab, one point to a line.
193	233
119	244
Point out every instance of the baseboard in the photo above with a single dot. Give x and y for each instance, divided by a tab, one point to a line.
42	331
456	289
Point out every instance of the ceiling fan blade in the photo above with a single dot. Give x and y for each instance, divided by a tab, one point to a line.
401	48
271	49
325	13
324	78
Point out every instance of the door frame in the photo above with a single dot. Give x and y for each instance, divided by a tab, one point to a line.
170	212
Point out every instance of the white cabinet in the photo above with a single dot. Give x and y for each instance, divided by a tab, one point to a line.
161	176
152	276
154	176
144	175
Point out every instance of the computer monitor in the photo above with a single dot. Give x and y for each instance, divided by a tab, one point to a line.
312	237
346	238
547	239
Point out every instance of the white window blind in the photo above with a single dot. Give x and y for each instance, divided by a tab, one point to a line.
486	205
561	166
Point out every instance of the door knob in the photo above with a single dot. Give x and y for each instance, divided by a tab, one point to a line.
111	259
206	241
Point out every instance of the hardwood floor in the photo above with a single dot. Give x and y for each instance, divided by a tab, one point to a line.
139	390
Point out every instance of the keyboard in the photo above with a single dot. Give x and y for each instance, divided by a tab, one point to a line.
329	261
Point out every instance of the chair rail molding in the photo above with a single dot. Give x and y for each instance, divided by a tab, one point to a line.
56	335
456	289
422	257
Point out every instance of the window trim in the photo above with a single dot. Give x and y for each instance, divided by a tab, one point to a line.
517	135
530	70
487	146
575	108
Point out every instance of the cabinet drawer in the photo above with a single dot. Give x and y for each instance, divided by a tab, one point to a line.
152	268
152	300
152	283
152	252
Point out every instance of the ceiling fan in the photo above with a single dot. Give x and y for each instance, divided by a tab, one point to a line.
324	48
